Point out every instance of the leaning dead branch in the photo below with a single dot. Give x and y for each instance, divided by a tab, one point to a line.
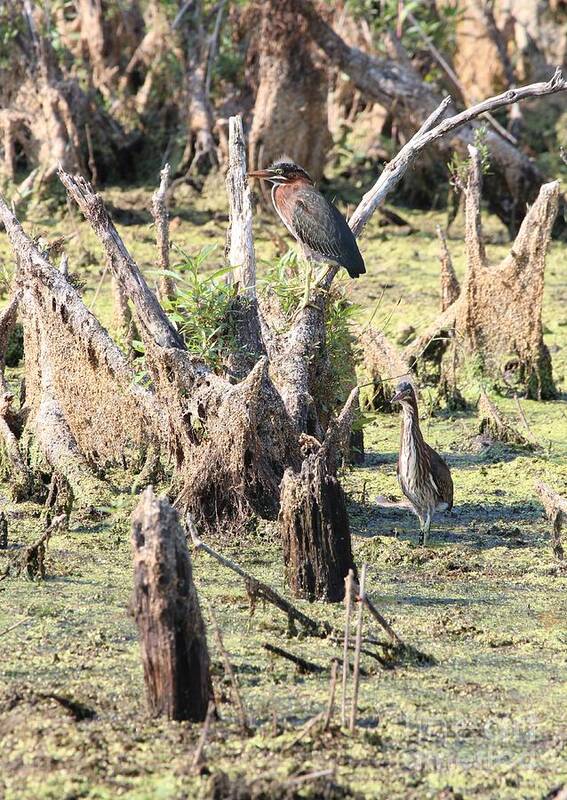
494	424
258	589
430	132
556	511
301	663
152	317
415	101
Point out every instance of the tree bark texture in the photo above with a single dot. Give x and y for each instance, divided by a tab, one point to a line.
167	612
290	114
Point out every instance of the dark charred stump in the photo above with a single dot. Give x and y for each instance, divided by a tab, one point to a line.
315	531
167	613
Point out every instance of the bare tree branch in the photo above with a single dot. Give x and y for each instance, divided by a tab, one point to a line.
394	171
240	241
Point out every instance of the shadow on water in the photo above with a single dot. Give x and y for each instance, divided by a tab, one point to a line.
478	525
492	454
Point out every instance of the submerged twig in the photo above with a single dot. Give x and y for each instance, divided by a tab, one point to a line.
304	666
356	675
229	670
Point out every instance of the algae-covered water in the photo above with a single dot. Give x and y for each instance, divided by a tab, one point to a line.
483	718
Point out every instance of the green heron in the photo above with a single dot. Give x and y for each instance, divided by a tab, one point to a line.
424	477
314	222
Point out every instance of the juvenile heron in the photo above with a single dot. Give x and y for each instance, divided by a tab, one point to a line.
424	477
314	222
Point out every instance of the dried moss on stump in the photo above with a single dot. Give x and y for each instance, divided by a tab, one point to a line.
497	316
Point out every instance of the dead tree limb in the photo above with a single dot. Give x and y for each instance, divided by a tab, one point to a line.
302	665
167	613
258	589
241	256
160	213
395	84
151	315
556	511
240	241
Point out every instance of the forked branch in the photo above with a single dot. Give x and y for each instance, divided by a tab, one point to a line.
430	132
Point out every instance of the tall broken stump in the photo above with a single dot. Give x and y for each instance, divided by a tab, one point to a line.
167	612
315	531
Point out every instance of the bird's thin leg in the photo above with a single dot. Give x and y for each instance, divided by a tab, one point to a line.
321	276
306	301
424	529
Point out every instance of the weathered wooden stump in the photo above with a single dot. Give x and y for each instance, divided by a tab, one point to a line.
313	517
315	532
167	613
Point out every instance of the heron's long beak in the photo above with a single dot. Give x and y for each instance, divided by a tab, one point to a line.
264	174
397	397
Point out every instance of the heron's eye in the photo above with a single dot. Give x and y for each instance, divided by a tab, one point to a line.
278	171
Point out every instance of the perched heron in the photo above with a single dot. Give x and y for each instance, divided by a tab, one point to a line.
314	222
424	477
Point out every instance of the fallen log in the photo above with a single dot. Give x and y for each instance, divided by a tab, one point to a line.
556	511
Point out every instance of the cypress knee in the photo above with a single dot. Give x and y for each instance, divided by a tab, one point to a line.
167	613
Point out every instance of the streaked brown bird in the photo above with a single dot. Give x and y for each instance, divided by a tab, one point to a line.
314	222
424	477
